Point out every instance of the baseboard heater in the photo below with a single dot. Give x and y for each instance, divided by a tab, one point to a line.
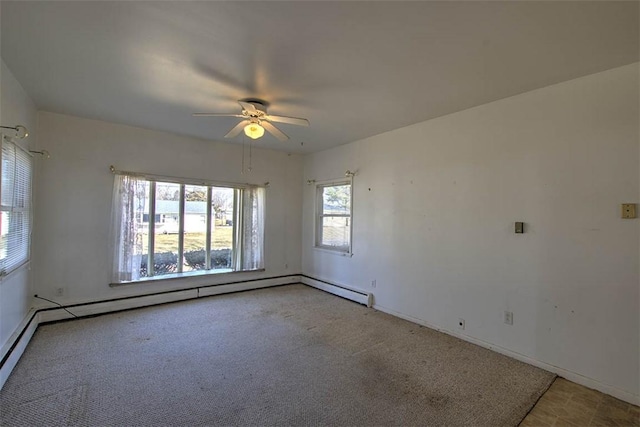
93	308
358	296
15	346
13	349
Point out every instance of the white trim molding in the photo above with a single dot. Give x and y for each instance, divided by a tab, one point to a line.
15	346
343	291
564	373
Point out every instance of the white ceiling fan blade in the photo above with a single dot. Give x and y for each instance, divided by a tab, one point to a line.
217	115
249	107
289	120
237	129
274	131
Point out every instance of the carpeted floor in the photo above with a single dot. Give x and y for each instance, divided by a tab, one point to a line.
290	355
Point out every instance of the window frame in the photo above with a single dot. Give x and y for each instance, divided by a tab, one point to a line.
238	239
26	159
319	215
236	249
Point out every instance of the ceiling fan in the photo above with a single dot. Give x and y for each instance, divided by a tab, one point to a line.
257	120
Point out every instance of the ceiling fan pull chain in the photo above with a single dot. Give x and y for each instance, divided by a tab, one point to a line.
243	139
250	154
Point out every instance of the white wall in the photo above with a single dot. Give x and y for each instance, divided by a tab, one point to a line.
15	294
71	234
434	211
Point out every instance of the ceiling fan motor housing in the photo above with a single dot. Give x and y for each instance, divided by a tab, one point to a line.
261	109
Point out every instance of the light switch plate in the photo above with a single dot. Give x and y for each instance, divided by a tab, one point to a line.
508	317
628	210
519	227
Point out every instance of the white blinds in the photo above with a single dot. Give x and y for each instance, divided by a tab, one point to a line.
15	207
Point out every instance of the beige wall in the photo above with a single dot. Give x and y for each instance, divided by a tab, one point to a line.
434	211
71	235
15	294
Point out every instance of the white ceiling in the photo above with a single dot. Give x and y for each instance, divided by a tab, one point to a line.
354	69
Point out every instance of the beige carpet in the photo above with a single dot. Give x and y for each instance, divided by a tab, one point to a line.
290	355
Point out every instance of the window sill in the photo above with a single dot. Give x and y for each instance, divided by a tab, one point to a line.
333	251
8	274
186	275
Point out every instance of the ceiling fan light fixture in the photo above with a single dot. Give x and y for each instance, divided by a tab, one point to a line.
254	130
256	121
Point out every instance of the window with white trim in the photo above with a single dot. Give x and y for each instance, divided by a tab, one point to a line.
333	216
164	229
15	207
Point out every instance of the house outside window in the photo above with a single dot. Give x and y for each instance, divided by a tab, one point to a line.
333	216
168	229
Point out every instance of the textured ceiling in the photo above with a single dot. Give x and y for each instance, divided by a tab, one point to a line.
354	69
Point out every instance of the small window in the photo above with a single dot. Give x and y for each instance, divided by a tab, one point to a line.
333	216
15	208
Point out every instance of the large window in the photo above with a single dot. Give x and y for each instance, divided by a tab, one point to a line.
333	216
171	229
15	207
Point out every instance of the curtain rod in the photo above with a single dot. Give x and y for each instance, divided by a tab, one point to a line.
348	178
18	129
177	180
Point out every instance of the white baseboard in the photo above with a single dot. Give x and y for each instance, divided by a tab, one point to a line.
247	286
92	309
564	373
16	345
19	340
361	297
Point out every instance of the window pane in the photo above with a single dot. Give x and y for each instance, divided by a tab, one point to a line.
8	173
335	232
140	250
5	217
165	253
15	222
195	227
188	234
336	200
222	230
22	181
14	240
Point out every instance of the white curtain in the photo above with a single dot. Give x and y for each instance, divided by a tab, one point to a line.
128	208
253	228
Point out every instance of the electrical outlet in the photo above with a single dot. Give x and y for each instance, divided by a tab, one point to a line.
508	317
461	324
374	283
59	292
628	210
